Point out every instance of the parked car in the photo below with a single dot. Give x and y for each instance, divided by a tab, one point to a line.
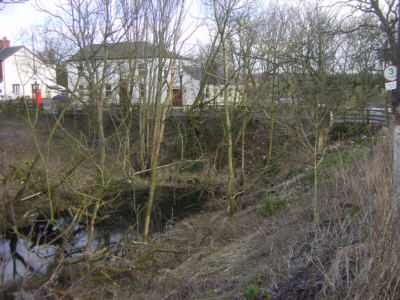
61	97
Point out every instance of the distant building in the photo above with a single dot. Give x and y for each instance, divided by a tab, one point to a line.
130	70
127	71
214	89
21	72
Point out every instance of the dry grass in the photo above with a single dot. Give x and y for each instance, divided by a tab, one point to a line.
350	254
360	229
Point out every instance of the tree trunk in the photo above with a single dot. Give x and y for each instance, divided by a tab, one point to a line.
396	165
243	179
228	127
100	128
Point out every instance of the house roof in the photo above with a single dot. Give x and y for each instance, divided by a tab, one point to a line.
124	50
7	52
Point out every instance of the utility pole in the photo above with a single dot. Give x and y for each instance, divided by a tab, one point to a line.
396	130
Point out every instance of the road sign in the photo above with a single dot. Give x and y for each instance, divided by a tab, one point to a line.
390	73
391	85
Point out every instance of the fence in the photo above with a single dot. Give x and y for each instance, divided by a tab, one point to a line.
369	115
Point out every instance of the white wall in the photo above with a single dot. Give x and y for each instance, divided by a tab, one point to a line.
19	69
190	86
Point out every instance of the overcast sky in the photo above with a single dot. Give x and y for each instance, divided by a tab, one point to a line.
17	18
14	18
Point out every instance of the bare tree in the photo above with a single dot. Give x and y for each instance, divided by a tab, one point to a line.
166	28
4	2
272	53
223	15
384	17
312	65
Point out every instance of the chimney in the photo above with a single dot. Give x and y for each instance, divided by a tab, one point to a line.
4	43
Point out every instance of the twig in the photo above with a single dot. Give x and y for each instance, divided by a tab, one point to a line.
31	196
330	284
166	166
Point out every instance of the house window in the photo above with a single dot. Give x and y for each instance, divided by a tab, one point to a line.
122	69
142	91
15	88
81	89
108	89
80	69
108	70
207	93
142	70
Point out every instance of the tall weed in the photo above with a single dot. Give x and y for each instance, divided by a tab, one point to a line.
359	229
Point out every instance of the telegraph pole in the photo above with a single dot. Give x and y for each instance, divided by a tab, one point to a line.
397	105
396	130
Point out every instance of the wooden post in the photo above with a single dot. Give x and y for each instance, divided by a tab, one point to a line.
396	130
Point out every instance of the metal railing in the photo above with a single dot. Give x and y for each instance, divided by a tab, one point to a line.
368	115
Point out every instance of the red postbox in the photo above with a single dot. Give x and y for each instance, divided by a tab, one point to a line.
37	95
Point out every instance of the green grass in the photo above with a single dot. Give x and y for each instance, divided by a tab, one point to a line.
251	292
271	206
344	158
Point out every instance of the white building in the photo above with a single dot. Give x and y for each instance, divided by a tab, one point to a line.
21	71
214	89
130	70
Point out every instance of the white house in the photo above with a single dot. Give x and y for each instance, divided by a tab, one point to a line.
21	72
131	70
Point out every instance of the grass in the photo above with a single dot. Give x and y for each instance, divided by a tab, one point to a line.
345	158
271	206
334	259
251	292
351	254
